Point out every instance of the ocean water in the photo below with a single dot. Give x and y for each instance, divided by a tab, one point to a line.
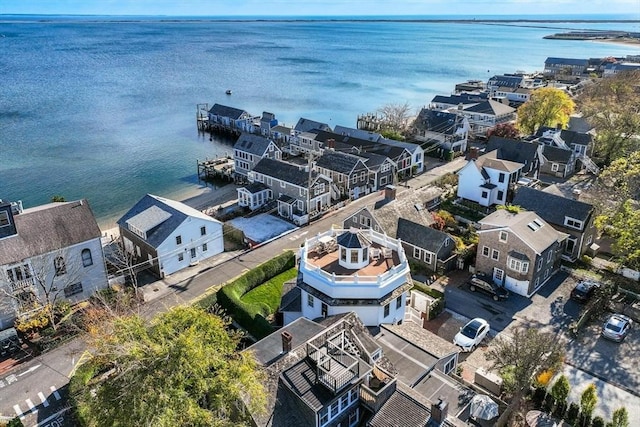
104	109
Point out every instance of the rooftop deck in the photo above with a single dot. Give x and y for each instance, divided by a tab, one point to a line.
328	261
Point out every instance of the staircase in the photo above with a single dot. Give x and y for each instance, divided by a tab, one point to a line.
589	164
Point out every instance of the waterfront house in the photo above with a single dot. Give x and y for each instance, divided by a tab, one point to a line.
348	172
249	149
357	270
611	69
488	180
52	249
307	125
555	67
231	118
305	143
570	216
332	372
169	235
520	251
449	131
417	152
300	195
527	153
485	116
254	195
461	100
282	135
267	122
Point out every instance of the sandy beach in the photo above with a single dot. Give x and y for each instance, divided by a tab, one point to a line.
623	42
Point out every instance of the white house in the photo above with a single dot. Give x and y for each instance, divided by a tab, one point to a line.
486	180
53	248
357	270
169	235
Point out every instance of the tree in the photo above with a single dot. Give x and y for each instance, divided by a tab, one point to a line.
395	117
546	107
123	262
35	288
561	388
588	401
519	358
612	107
58	198
504	130
183	369
623	227
620	418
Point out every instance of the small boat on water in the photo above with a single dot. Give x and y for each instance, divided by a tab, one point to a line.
228	92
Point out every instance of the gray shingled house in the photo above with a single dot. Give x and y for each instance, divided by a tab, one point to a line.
249	149
349	173
565	215
53	248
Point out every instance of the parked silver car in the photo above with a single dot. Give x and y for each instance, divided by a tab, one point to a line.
616	327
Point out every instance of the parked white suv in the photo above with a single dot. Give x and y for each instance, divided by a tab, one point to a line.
471	334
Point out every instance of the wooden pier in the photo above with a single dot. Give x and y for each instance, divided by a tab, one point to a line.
216	169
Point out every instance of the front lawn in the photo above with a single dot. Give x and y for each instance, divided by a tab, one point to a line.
270	292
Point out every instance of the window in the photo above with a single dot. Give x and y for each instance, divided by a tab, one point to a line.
448	367
550	256
573	223
193	252
180	257
589	239
87	259
353	418
386	310
428	257
498	274
503	236
354	255
417	253
204	247
485	251
333	409
74	289
540	263
354	179
4	219
353	395
354	219
500	195
501	177
60	266
310	300
178	240
485	194
344	401
203	230
324	417
495	255
399	302
517	265
365	221
343	254
554	167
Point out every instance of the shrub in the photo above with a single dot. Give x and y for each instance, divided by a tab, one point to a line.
597	422
572	413
538	396
544	377
15	422
251	317
584	420
587	259
548	403
560	409
32	323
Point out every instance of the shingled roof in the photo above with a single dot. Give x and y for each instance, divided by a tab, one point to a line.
557	154
514	150
225	111
284	171
47	228
337	161
252	143
552	208
421	235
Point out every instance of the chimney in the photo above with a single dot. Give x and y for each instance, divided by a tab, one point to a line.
286	341
331	143
389	193
576	193
439	411
473	153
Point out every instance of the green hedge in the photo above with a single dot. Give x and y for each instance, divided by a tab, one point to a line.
252	317
438	307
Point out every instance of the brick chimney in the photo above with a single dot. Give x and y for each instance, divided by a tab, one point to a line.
286	341
331	143
473	153
439	411
389	193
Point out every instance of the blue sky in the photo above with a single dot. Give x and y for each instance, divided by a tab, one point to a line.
320	7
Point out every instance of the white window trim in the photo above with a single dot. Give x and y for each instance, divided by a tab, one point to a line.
573	223
487	250
505	238
496	253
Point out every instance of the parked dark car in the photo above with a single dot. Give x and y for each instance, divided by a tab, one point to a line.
584	290
485	284
9	342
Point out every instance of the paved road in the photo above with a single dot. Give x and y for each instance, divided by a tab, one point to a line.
36	390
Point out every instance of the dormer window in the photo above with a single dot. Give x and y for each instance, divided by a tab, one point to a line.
503	236
573	223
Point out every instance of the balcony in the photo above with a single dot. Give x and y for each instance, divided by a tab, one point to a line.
20	285
377	390
335	368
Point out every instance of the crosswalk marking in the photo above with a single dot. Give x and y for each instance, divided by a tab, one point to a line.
18	411
43	399
31	406
55	392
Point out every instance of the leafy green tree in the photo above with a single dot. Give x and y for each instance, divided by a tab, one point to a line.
520	357
612	107
620	418
561	388
588	400
181	370
546	107
58	198
623	226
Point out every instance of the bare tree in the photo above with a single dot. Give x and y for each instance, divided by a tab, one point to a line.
123	262
38	285
395	116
